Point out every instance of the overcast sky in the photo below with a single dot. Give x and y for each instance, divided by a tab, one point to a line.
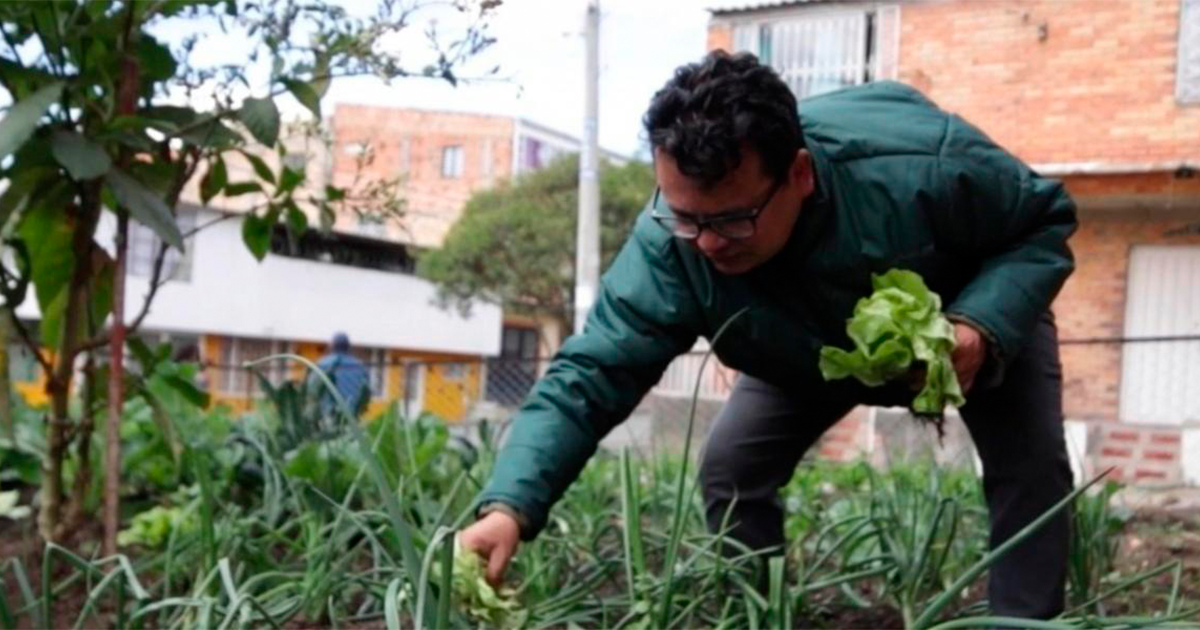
540	53
540	46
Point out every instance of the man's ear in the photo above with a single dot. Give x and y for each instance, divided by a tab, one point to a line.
802	172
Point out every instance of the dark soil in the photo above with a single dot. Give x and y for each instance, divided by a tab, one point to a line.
1153	538
20	542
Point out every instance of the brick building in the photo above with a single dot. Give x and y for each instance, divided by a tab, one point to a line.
440	159
1104	94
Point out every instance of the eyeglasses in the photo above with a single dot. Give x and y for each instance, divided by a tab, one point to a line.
732	225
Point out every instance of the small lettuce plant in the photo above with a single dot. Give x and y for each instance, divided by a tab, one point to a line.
898	328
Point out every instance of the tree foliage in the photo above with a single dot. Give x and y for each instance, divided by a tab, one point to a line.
515	244
95	128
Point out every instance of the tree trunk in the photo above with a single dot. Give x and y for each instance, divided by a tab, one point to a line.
58	383
116	396
6	408
83	450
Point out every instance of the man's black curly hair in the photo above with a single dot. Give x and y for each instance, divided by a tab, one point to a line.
705	114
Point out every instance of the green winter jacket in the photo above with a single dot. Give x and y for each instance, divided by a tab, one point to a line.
900	183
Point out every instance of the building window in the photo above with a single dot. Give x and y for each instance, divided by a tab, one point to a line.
452	161
346	249
238	380
143	247
354	149
1187	87
823	52
536	153
511	376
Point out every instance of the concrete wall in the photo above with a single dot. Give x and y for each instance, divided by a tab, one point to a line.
230	293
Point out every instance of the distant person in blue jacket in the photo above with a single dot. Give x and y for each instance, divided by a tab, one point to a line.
348	375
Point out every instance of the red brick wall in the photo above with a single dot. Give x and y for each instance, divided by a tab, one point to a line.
1092	304
433	202
1054	81
1099	85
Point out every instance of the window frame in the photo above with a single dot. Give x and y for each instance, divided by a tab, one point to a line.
452	161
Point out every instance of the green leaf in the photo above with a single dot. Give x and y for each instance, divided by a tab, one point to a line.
305	93
22	79
145	357
289	180
167	118
898	324
320	82
188	390
47	232
327	217
22	119
191	126
297	221
100	291
82	158
261	117
256	233
9	507
333	193
22	188
213	133
234	189
145	206
214	180
260	167
157	62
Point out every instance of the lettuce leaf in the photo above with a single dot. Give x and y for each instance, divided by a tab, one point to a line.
900	324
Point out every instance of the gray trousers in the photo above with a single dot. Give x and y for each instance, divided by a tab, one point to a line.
1016	424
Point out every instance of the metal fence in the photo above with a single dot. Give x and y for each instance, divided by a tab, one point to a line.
1096	373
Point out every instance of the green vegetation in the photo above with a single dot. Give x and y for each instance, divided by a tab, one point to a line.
515	243
241	527
897	325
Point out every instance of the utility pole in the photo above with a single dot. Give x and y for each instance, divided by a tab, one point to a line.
587	241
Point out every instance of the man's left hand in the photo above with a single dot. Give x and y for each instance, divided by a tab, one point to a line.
970	350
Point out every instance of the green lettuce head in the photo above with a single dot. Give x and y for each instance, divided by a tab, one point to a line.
901	322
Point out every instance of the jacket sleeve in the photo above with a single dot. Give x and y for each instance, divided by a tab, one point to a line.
1015	223
643	318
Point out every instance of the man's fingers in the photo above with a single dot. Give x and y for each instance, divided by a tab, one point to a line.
497	563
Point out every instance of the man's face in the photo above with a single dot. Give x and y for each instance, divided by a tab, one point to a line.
744	190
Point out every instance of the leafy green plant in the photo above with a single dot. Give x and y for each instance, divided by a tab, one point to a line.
94	129
1095	537
10	505
477	599
153	527
901	323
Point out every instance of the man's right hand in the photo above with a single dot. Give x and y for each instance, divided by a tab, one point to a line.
494	537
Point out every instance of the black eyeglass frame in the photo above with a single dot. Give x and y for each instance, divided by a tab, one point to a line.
713	223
